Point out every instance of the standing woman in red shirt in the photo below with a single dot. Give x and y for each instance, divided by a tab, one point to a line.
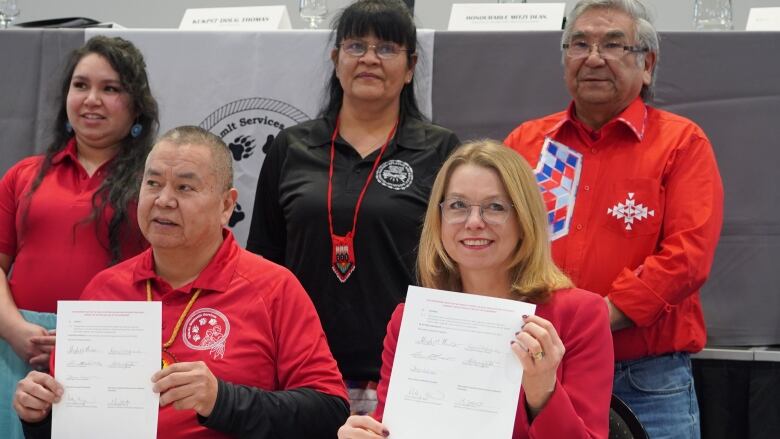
70	213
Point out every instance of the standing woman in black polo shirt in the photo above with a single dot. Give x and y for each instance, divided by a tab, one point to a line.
341	199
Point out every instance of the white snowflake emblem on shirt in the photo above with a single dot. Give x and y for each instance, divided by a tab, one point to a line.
629	211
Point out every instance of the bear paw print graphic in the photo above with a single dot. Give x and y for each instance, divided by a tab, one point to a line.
242	147
237	216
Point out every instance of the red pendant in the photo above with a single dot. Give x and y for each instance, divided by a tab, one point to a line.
343	256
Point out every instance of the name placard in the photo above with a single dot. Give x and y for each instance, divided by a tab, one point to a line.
243	18
506	16
763	19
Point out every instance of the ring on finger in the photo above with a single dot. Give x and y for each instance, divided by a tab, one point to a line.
538	355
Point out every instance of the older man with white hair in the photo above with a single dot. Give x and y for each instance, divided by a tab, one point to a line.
635	204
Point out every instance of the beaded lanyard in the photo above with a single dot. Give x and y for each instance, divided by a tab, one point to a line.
167	357
343	248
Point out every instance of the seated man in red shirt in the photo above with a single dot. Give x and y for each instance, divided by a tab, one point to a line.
635	204
258	364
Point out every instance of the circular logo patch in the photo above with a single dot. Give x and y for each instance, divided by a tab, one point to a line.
395	174
248	127
206	329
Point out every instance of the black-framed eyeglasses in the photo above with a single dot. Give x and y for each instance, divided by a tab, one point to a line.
457	210
607	50
383	49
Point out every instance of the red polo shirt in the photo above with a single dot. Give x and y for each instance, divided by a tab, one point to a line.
646	205
55	252
253	324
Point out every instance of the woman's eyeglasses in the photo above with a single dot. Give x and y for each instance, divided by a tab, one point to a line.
457	211
383	49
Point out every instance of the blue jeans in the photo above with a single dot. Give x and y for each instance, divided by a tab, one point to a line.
660	392
13	369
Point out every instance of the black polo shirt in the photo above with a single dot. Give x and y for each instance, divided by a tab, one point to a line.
290	227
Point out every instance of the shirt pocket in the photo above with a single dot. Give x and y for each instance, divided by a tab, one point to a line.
634	207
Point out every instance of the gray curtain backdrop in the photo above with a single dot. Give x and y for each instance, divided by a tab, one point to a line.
32	62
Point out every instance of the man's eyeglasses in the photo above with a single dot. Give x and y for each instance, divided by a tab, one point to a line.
608	50
383	49
457	211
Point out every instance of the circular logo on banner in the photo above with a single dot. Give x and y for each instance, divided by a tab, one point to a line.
206	330
248	127
395	174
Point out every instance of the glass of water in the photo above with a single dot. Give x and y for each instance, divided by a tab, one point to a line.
712	15
313	11
9	10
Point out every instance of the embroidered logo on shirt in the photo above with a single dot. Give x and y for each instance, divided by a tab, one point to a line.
395	174
207	330
558	175
629	211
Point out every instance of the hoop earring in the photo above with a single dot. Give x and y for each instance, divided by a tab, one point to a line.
136	130
68	127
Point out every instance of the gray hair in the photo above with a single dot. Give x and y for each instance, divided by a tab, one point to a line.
222	162
646	35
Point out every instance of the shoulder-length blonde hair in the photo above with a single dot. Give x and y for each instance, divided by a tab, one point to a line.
533	274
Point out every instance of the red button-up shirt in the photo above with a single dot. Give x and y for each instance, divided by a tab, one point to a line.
645	211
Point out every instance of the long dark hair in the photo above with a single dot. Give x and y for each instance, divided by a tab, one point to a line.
123	175
389	20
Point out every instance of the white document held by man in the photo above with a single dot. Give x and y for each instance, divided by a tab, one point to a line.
454	373
106	354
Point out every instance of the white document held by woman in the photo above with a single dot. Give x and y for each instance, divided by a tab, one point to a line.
454	373
106	354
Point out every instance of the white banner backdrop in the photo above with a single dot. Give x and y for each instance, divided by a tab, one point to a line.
245	87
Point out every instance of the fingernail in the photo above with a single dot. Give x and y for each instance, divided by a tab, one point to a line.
512	342
385	432
525	316
517	332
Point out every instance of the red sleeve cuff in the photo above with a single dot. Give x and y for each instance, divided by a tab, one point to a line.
637	300
558	418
